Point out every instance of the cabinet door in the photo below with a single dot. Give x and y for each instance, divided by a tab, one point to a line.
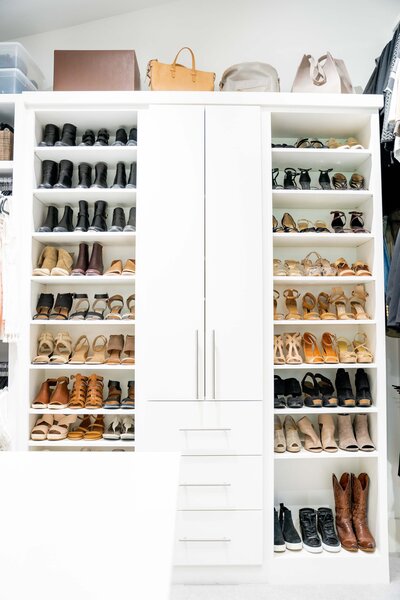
170	254
234	287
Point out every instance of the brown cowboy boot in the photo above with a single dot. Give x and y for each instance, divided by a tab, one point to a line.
342	491
360	486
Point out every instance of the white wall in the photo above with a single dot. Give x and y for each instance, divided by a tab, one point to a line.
224	32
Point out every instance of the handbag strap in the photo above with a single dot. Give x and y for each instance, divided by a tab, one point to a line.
317	72
173	66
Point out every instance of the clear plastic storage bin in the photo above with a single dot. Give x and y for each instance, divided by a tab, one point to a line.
12	81
14	56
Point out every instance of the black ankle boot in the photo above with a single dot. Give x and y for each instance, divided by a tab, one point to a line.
309	533
324	180
279	541
49	174
102	137
118	220
344	390
289	180
51	220
68	136
363	390
290	535
131	224
65	224
120	176
120	137
132	177
279	392
51	135
83	216
99	219
84	175
65	174
101	176
88	138
305	179
132	137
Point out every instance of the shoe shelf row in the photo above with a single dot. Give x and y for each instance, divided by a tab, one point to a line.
89	154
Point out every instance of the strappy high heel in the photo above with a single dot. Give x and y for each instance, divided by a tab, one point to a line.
293	346
363	353
279	270
312	353
115	304
338	221
361	269
130	303
327	270
339	181
289	224
291	304
293	268
114	348
339	300
275	173
279	357
329	348
99	307
81	307
323	307
324	180
309	304
305	226
357	302
357	222
289	180
277	316
305	179
312	269
346	352
312	397
81	351
99	346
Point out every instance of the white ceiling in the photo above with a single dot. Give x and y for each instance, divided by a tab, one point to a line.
19	18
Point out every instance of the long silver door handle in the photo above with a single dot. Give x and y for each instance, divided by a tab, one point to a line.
205	429
205	485
214	365
197	364
219	540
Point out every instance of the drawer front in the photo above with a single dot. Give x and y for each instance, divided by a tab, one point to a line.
194	428
220	482
218	538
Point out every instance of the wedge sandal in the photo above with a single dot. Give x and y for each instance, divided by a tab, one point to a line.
41	428
59	430
60	396
79	432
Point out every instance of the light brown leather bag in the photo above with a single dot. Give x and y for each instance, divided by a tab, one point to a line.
176	77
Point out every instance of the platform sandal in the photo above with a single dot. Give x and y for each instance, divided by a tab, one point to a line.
62	307
129	351
357	222
77	397
324	303
279	357
115	304
291	304
114	348
347	354
81	351
357	302
80	307
293	347
95	430
329	348
99	347
130	303
60	396
309	303
339	301
79	432
41	428
62	349
59	430
94	395
99	307
327	391
363	353
45	349
312	353
312	396
43	307
343	269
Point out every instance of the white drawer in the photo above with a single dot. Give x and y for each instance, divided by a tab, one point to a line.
201	427
219	538
220	482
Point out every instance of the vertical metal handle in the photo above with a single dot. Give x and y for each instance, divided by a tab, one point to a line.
197	364
214	365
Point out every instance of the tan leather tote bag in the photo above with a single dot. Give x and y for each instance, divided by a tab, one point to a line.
326	75
176	77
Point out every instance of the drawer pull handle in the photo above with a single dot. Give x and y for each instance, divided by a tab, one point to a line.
206	429
205	485
216	540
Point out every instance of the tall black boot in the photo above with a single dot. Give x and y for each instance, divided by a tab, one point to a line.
51	135
99	219
65	224
120	137
118	220
88	138
102	137
101	176
51	220
132	177
68	136
132	137
49	174
84	175
131	224
83	216
120	176
65	174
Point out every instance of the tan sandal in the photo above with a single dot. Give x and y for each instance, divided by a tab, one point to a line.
323	307
309	304
41	428
45	349
64	263
81	351
114	348
361	269
339	300
293	443
129	267
277	316
129	351
293	347
329	348
62	349
279	436
99	351
312	269
47	261
279	357
115	268
293	268
95	430
115	304
327	270
59	430
363	353
346	352
312	353
312	442
291	304
78	394
60	395
130	303
279	270
80	431
94	396
343	269
357	302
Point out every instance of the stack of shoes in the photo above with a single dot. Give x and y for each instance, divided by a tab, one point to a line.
318	530
78	307
320	267
351	502
339	181
51	136
52	224
338	224
56	175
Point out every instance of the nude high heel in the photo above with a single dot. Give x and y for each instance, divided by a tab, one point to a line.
362	434
309	304
347	441
279	437
327	432
81	351
346	352
312	442
324	301
293	443
277	316
357	302
279	357
329	351
363	353
312	354
291	304
339	300
293	345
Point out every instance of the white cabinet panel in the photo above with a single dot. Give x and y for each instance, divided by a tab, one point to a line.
234	253
170	254
201	427
220	482
219	538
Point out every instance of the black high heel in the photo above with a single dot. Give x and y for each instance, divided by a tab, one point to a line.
327	391
289	181
338	221
344	390
275	173
305	179
357	222
363	390
312	395
324	179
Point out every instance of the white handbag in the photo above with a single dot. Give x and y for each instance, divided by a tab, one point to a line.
250	77
326	75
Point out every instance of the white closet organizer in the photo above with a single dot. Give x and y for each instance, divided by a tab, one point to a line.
204	329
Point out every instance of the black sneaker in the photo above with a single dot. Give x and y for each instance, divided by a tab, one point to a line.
293	393
326	529
309	533
290	535
279	542
279	392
